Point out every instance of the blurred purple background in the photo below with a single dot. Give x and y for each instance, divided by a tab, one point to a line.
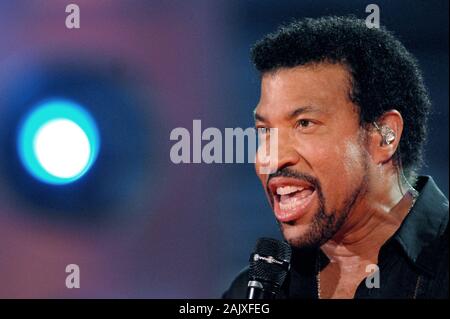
138	225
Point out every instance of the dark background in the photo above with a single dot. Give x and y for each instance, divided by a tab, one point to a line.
138	225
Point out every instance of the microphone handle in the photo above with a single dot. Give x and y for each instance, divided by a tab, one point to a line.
256	291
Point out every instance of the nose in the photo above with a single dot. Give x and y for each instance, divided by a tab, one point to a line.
282	153
287	154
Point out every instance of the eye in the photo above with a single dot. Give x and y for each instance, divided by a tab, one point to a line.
304	123
306	126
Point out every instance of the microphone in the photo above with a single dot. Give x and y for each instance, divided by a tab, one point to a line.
269	266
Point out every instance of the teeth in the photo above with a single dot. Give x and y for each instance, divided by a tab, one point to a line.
288	190
291	203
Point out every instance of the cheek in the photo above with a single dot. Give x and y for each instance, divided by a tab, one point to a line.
338	167
333	157
352	157
322	157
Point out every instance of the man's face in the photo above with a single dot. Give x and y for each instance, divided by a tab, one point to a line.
322	162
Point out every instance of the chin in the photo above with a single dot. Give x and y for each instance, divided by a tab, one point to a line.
300	236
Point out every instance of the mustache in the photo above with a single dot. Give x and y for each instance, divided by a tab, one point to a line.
288	172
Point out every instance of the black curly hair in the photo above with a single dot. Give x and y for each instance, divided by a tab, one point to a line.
384	75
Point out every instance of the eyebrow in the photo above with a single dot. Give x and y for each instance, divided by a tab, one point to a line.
303	109
294	113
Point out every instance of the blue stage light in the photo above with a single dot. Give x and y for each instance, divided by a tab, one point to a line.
58	141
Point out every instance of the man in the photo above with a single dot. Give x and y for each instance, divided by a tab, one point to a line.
350	108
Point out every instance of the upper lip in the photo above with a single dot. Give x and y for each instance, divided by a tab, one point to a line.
276	182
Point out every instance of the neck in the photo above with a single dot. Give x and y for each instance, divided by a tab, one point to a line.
369	225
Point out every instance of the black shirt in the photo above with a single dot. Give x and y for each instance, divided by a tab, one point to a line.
413	263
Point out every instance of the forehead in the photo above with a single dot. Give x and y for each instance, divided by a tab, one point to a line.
322	86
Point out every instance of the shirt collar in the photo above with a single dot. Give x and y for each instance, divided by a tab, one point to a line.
424	224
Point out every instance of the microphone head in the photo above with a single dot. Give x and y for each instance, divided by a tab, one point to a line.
270	262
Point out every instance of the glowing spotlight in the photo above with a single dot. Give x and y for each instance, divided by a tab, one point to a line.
62	148
58	142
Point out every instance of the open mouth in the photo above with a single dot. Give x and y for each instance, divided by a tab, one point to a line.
291	198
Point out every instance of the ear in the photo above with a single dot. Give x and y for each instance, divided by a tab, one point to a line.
380	151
